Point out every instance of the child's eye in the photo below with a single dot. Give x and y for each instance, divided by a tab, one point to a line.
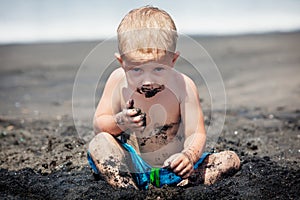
158	69
136	69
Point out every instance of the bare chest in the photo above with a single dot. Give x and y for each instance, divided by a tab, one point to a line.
162	119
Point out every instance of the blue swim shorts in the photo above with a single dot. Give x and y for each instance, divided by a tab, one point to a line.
146	174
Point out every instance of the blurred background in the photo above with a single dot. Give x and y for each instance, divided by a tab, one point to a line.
70	20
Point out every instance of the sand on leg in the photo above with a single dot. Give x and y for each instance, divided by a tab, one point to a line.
111	160
216	166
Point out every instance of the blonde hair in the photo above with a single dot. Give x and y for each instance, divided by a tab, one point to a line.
147	31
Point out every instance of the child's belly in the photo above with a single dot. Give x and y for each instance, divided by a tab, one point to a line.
162	136
157	136
159	142
155	147
155	155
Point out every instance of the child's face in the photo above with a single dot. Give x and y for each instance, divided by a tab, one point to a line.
148	77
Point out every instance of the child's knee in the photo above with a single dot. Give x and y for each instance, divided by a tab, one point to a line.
104	145
99	140
234	159
231	159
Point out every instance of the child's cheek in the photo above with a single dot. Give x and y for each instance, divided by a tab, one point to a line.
133	82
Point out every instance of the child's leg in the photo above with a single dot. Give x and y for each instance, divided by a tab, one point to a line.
216	166
111	160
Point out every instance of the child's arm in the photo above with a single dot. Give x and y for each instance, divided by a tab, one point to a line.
109	117
104	120
195	135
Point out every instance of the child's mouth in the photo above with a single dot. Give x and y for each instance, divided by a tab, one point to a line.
150	90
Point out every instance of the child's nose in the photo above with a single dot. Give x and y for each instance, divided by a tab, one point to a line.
147	83
147	79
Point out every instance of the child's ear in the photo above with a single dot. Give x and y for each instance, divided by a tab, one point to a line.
176	55
119	58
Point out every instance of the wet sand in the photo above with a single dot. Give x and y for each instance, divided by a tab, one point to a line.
43	156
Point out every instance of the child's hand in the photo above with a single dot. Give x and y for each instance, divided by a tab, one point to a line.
131	118
180	164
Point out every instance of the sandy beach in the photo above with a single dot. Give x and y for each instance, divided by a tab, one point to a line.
44	157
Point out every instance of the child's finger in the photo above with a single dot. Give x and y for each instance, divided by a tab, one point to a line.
167	164
133	112
141	124
188	173
186	169
136	125
138	118
176	162
179	164
169	161
129	104
179	167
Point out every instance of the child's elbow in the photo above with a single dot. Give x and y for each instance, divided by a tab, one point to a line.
96	126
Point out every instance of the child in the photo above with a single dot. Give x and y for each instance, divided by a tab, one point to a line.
149	123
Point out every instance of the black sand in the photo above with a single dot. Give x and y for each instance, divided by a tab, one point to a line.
42	156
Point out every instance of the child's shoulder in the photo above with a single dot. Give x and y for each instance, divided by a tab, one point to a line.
183	86
115	79
185	80
117	74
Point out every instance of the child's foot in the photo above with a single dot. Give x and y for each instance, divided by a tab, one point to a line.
219	165
216	166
